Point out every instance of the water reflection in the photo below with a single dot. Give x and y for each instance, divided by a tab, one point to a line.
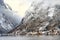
31	38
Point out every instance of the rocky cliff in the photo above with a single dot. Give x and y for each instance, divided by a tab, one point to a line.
43	17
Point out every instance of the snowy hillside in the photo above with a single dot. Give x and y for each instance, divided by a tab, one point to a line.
8	18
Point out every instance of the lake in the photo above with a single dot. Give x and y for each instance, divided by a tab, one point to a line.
30	38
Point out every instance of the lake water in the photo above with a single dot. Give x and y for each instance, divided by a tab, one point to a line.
30	38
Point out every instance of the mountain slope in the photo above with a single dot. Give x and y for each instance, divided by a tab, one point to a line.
8	18
41	18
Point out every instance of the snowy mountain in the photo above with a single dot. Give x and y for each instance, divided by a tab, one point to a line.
8	18
43	16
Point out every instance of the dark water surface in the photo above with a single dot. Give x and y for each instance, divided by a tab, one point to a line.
30	38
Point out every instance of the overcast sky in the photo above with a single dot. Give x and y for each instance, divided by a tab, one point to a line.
20	6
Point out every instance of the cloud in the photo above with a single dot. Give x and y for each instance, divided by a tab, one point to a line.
20	6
